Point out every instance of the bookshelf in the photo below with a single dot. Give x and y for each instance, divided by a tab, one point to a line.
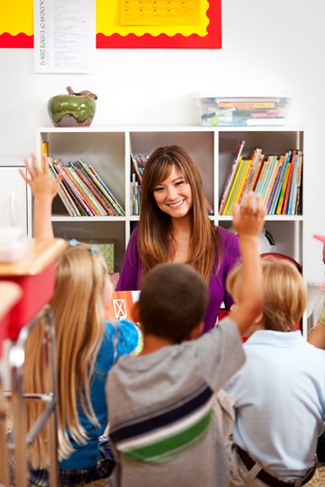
212	149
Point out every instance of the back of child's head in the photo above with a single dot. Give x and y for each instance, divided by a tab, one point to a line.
285	294
172	301
79	326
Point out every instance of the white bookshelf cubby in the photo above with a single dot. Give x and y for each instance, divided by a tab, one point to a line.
212	149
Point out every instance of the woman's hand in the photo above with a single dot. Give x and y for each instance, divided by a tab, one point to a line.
248	220
41	183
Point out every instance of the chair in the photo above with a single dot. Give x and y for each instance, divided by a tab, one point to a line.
35	275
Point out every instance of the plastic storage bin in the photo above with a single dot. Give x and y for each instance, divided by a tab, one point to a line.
246	111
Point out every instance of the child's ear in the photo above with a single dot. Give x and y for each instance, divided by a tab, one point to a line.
196	332
259	319
136	312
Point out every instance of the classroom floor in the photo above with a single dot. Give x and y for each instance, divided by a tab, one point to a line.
317	481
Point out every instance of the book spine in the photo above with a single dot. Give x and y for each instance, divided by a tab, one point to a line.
250	174
278	191
87	173
242	179
44	150
273	174
256	172
82	195
293	186
275	184
259	173
267	175
283	189
241	192
297	200
87	195
136	167
107	191
62	195
286	198
88	182
234	186
231	175
261	179
73	189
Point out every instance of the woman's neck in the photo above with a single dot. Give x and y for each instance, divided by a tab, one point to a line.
179	250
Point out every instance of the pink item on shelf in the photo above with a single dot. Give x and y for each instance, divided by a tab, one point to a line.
320	237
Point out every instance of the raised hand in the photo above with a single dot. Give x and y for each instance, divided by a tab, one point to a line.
41	183
249	219
44	189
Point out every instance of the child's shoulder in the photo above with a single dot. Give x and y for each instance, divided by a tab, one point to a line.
120	336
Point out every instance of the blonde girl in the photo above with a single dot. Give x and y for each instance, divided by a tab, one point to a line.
86	348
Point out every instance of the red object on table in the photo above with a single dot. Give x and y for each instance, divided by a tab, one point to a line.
35	274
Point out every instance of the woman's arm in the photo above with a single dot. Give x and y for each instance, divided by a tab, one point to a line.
44	189
128	280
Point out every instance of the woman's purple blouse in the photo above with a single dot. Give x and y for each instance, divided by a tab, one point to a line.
130	278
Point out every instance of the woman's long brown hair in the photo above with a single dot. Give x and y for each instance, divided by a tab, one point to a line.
155	227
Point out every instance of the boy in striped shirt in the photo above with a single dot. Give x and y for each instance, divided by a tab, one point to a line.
162	427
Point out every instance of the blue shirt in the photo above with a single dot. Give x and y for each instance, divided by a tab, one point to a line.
280	401
119	338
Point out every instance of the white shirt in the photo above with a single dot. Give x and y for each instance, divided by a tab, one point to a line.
280	401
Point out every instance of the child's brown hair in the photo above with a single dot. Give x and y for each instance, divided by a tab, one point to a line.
285	294
172	301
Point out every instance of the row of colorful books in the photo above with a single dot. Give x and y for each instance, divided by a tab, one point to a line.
277	178
82	191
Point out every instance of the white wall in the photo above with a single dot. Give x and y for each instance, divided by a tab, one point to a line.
267	45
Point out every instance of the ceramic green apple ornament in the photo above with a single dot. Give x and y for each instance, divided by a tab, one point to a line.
73	109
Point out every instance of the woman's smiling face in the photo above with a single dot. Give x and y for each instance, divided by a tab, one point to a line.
174	195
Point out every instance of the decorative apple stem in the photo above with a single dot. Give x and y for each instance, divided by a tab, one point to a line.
81	93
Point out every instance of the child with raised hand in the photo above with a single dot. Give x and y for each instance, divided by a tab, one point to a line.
279	393
162	426
86	349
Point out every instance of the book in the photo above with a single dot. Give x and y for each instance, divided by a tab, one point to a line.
270	180
209	207
275	184
121	308
88	182
267	175
261	177
136	167
297	199
44	150
255	159
63	195
242	185
259	171
292	186
283	189
234	186
256	172
288	189
280	183
231	175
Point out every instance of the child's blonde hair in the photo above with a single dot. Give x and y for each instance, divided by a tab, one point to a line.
79	326
285	294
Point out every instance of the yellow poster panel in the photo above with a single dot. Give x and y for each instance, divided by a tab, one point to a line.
155	17
160	12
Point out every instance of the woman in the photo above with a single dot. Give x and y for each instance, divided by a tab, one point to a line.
175	227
